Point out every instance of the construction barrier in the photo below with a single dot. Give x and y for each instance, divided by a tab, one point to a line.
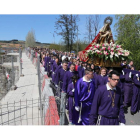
52	117
50	110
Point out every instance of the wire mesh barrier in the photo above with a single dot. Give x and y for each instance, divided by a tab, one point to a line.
28	112
9	71
9	50
48	109
49	93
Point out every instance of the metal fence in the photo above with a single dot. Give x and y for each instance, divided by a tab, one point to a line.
9	50
48	109
9	67
27	112
59	98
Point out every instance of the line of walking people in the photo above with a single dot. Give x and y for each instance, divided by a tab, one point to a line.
95	95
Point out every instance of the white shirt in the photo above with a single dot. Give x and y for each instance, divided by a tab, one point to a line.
86	80
64	70
71	71
63	57
108	87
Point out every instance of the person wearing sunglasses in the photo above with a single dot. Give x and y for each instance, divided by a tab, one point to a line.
107	105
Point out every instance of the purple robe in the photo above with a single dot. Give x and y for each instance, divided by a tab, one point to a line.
99	81
59	77
81	71
48	64
106	79
128	90
54	69
83	97
102	107
70	94
69	65
122	64
120	85
59	67
95	75
135	104
67	79
122	81
47	59
50	67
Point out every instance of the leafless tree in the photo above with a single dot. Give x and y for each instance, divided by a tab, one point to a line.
89	27
92	26
66	26
96	21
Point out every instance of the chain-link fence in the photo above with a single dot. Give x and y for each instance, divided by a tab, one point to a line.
49	93
9	71
48	109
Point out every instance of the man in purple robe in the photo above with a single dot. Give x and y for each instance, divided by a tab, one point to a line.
48	65
70	99
67	77
135	104
96	72
69	63
83	96
60	74
128	90
54	68
45	62
51	65
48	58
101	79
121	82
106	77
81	70
107	105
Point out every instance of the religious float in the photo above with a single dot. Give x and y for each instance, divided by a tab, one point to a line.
102	51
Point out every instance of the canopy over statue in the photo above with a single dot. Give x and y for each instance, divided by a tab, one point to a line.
102	48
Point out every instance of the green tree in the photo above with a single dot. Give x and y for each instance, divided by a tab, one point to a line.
30	39
128	35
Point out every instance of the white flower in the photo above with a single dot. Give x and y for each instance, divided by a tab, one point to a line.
88	50
111	43
111	56
116	55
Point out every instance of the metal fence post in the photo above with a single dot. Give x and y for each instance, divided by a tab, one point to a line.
20	63
31	55
62	108
12	70
39	87
2	59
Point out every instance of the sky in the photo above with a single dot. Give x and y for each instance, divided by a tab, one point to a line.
17	27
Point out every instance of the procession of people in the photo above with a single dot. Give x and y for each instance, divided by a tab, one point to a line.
95	95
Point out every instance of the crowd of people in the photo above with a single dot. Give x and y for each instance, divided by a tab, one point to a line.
95	95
